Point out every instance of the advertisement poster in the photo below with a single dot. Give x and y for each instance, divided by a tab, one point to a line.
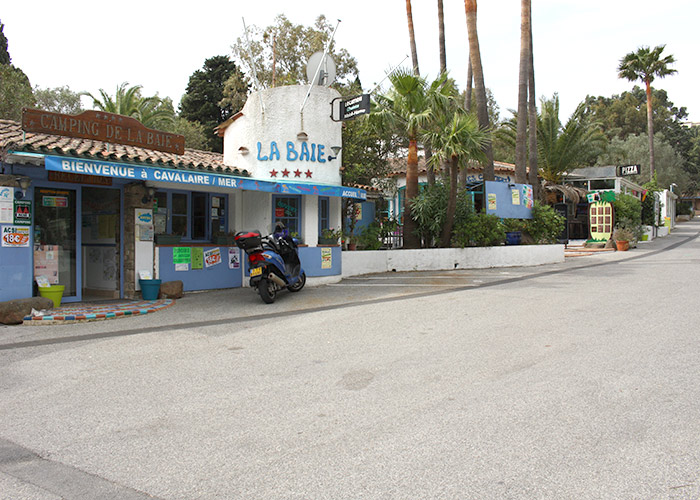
326	258
46	262
516	196
212	257
492	201
23	213
15	236
197	258
182	255
6	206
234	261
527	194
182	266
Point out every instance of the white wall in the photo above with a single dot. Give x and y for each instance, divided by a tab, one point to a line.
281	122
365	262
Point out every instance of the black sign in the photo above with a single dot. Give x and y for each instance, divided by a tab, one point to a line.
352	107
23	213
629	170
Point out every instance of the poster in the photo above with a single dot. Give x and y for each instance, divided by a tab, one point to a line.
212	257
516	196
6	205
326	258
182	255
492	201
23	213
528	196
15	236
182	266
197	258
234	261
46	262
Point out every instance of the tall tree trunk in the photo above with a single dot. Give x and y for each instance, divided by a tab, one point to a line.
410	239
429	168
650	131
468	93
412	38
446	236
441	37
479	87
533	177
521	137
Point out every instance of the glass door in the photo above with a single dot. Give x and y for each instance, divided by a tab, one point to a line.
55	237
100	241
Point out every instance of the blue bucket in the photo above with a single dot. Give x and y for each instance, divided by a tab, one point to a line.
149	289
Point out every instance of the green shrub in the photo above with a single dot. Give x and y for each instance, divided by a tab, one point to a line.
370	237
546	224
512	225
429	210
479	230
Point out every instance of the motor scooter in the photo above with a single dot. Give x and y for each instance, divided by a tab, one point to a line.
273	261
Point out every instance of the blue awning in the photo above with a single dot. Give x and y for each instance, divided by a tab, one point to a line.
194	178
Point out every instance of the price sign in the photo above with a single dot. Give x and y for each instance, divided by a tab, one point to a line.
15	236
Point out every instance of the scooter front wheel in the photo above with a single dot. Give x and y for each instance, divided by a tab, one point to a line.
267	291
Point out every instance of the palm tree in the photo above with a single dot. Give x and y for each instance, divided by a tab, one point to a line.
458	140
441	38
645	65
532	122
561	148
407	108
412	38
479	87
523	80
127	101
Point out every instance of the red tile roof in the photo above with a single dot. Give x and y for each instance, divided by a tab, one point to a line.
398	167
12	137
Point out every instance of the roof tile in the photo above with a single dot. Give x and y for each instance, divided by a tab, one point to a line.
13	137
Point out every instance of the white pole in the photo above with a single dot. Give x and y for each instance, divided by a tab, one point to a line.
313	80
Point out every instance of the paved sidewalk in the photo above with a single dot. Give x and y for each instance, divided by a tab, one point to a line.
236	306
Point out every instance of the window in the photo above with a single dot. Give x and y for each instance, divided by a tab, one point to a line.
195	216
287	209
200	221
179	214
323	214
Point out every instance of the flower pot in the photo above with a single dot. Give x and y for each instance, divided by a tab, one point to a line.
513	237
623	246
149	289
328	241
55	293
352	246
168	239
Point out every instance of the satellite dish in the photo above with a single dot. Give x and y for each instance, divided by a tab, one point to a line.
326	75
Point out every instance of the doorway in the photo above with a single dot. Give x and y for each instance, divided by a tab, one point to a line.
55	238
100	243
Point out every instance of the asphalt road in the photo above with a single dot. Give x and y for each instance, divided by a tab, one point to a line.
577	380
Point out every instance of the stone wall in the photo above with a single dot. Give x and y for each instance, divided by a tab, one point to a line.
133	198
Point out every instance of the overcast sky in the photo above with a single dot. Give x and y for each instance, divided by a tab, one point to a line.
159	44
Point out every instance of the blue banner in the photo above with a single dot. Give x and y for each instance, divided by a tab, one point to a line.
135	172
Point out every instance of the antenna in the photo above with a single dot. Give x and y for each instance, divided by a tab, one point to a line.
252	66
388	75
318	69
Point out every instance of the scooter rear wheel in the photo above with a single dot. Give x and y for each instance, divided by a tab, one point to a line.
299	284
267	291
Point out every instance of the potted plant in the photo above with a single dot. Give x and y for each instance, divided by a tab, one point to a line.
329	236
350	240
622	237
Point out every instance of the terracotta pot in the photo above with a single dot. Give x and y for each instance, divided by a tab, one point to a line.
352	246
623	245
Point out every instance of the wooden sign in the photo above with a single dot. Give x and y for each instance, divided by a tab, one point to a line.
79	178
101	126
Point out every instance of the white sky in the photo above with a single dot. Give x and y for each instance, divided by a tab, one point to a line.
158	44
